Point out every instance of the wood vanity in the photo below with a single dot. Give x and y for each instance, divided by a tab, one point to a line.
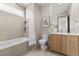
67	44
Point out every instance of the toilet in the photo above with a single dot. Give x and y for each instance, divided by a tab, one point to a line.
43	41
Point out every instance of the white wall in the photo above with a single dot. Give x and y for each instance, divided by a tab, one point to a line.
45	12
11	26
37	23
54	10
74	18
11	21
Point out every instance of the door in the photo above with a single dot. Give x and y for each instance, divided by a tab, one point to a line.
51	42
55	42
64	44
72	45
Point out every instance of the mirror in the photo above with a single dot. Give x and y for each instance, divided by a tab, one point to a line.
63	24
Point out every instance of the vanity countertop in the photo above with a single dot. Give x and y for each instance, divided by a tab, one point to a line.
66	33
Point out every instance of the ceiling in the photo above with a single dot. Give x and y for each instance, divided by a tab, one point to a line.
24	4
43	4
47	4
40	4
59	7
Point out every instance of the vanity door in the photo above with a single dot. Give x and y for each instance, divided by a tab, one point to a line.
72	45
51	42
55	42
64	44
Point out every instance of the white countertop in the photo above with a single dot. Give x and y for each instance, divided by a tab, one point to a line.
66	33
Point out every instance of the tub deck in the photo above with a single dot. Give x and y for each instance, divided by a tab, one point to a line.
14	47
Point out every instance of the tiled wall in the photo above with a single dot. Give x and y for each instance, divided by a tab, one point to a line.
11	26
11	21
74	18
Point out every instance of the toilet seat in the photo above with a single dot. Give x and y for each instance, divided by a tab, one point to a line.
43	43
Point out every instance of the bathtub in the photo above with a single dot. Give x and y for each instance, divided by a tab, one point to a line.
13	47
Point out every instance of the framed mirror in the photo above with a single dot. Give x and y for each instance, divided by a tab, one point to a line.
63	24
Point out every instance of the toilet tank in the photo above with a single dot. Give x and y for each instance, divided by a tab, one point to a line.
44	36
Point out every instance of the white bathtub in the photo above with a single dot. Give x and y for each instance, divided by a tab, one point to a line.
13	47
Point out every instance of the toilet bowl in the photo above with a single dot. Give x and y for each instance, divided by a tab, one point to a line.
43	41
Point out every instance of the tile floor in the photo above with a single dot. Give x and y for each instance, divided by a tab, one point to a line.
42	53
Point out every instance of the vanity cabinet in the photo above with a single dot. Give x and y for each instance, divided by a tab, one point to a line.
65	44
55	42
72	47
